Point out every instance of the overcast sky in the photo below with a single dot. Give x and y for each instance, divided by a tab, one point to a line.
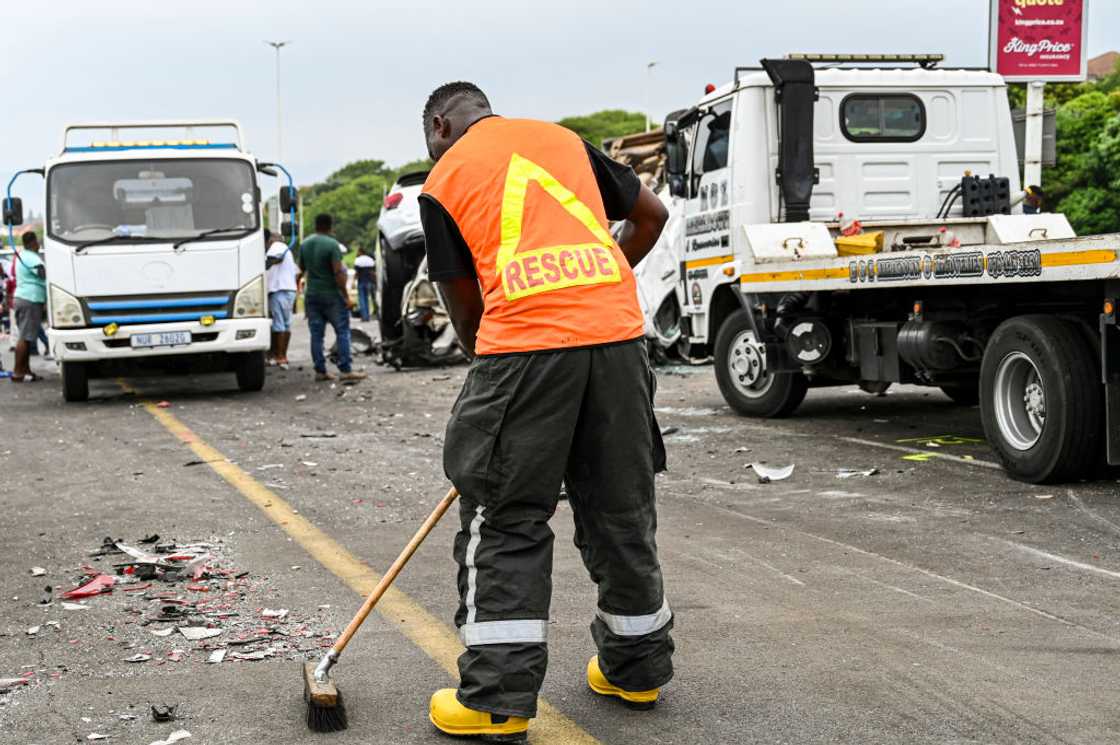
357	73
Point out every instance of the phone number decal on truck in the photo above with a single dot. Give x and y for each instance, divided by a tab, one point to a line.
948	266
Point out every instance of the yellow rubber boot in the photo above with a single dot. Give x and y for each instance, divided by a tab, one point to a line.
452	718
633	699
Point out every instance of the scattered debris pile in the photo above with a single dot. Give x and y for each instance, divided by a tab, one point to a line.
180	601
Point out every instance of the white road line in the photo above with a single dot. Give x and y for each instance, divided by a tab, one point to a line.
1063	560
949	580
1082	506
889	586
769	566
930	453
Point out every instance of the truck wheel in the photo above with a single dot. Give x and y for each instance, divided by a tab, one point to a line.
741	373
394	277
1040	399
965	394
75	381
249	367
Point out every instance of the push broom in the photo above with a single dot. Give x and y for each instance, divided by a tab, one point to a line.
325	712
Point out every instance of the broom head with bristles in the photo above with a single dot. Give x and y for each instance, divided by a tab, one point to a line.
325	711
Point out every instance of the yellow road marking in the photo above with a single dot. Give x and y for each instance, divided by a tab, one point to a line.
421	627
697	263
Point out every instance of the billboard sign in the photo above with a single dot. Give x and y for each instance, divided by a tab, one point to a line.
1039	39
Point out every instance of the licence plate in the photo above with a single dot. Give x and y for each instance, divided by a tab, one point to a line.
164	339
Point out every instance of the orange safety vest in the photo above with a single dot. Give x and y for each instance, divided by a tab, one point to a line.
525	199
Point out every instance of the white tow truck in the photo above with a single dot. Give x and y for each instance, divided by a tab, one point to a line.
945	283
154	252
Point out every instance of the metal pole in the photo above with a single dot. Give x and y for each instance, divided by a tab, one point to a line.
1032	145
649	84
278	45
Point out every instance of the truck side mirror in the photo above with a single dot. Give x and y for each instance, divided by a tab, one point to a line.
676	161
286	229
288	198
13	211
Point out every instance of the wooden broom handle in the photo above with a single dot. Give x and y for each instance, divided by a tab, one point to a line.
395	569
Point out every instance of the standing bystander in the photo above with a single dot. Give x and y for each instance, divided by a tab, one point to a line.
363	281
325	298
283	284
30	302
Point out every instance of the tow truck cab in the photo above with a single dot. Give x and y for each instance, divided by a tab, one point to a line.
155	254
946	282
873	144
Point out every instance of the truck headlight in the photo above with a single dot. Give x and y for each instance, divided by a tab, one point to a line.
66	311
250	302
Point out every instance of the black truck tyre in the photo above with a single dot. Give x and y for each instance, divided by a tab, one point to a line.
394	276
1041	400
249	368
740	372
75	381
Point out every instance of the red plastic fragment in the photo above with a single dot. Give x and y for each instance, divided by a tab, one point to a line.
99	584
164	405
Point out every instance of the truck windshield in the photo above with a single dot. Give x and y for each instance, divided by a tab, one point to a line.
119	201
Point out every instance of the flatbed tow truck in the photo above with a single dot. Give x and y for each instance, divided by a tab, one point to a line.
944	281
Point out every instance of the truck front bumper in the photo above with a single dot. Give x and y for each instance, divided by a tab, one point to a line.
89	344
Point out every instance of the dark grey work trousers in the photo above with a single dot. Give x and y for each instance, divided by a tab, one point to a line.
522	425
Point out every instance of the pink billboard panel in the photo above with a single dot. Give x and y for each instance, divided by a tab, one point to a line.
1039	39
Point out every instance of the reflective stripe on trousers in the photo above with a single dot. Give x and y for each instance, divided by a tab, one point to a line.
636	625
522	426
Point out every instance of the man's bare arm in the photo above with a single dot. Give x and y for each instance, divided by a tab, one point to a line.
340	275
643	226
464	304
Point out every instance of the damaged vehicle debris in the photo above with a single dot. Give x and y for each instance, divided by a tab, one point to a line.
163	603
416	330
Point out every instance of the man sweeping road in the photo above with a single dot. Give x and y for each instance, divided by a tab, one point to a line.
515	216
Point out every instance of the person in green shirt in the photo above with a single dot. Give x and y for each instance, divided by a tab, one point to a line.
325	299
29	303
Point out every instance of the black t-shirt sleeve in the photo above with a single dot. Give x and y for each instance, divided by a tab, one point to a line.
449	257
618	184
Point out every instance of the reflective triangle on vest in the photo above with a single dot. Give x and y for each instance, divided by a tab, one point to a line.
529	270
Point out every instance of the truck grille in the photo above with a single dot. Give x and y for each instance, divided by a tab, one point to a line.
157	308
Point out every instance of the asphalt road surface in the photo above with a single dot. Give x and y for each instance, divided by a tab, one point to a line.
934	601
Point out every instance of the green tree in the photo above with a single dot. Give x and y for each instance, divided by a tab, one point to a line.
1084	184
1090	194
424	164
354	205
353	196
603	125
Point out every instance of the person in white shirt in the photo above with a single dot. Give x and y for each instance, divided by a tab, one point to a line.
283	284
363	282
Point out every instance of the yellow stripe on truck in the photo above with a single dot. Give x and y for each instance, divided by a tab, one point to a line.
1066	258
711	261
793	276
1079	258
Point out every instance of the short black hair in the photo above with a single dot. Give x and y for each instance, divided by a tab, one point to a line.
323	222
29	238
441	96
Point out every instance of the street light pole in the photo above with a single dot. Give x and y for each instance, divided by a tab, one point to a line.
278	45
649	84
